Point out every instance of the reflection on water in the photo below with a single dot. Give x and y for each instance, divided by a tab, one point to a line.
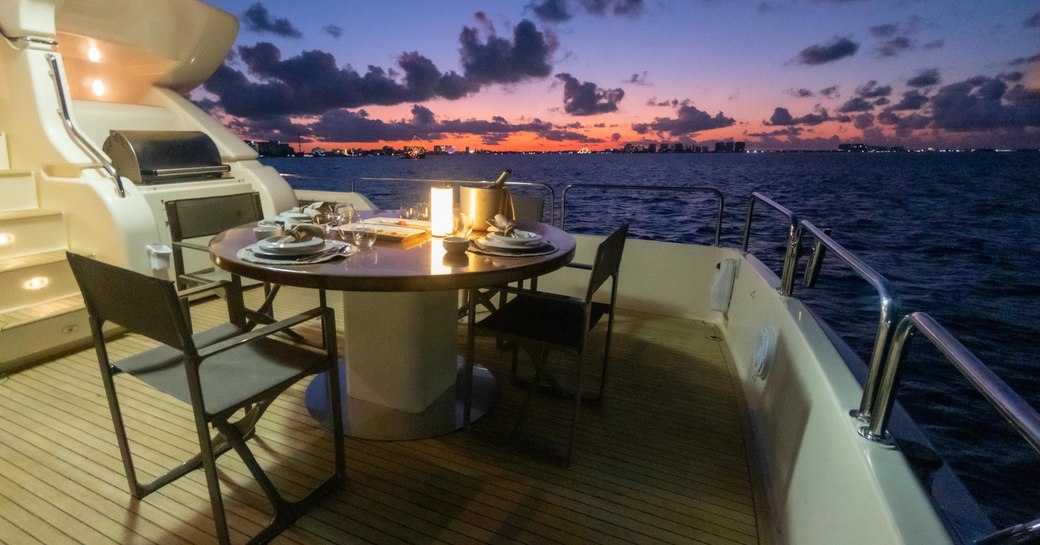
956	234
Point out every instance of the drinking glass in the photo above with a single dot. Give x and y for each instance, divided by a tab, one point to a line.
422	211
462	225
364	235
407	212
346	214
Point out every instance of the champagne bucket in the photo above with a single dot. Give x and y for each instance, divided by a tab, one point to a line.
481	204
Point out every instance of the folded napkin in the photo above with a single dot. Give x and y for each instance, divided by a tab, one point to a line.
315	208
303	231
504	224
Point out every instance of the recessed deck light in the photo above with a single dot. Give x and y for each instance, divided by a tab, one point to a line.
36	282
6	239
98	87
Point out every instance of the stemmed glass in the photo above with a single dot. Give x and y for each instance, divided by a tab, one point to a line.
364	234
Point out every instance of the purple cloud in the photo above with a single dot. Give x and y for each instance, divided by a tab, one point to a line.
837	48
584	98
258	19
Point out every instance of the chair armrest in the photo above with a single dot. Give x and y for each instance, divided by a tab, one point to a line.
201	288
265	331
191	246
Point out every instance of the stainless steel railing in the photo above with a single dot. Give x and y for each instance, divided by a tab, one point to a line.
887	300
28	40
1017	411
70	127
794	246
649	189
887	311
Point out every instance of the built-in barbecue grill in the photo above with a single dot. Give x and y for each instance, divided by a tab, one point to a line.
160	157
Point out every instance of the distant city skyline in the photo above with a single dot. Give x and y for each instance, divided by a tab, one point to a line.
549	75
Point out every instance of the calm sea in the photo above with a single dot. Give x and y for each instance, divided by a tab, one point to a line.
958	235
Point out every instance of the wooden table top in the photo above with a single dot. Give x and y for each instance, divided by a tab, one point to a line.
420	265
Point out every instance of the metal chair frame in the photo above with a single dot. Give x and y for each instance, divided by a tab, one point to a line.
514	323
206	217
218	373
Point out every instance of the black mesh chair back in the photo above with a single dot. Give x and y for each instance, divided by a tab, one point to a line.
538	322
218	373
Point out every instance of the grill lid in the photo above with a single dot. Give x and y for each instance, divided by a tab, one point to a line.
157	157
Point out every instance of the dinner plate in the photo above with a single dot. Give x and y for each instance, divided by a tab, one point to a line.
513	247
295	216
518	238
279	245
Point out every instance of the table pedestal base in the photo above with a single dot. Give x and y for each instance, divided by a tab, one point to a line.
367	420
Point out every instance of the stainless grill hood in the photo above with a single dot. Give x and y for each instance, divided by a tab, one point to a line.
159	157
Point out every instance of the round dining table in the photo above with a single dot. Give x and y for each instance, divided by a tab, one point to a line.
402	371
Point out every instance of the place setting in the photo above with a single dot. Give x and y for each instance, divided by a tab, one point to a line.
503	239
299	245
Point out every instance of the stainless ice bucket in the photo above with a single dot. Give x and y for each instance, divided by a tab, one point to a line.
481	204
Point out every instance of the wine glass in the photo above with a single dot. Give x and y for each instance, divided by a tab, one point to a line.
364	235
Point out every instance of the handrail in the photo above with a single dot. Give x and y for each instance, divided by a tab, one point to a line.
655	188
1017	411
886	319
77	136
794	245
28	39
545	187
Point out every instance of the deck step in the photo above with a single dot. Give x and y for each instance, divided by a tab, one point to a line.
33	332
19	190
35	279
24	232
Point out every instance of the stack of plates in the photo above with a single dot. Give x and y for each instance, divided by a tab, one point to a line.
282	246
519	242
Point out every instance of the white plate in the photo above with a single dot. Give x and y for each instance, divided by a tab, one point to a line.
519	238
280	246
295	216
490	243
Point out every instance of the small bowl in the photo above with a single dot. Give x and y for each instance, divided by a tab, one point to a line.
456	245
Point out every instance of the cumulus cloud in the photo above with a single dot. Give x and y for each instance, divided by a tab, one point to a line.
894	46
782	118
638	78
800	93
311	83
629	8
1033	21
551	10
554	11
871	89
982	103
934	44
333	30
1025	60
830	92
688	120
924	78
500	61
258	19
837	48
912	100
584	98
856	104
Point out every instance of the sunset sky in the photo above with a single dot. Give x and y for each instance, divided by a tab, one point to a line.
546	75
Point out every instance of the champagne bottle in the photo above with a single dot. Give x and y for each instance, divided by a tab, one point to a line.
501	181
